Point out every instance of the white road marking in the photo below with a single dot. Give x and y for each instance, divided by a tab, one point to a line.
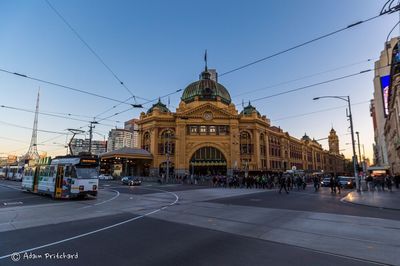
12	187
113	198
96	231
12	203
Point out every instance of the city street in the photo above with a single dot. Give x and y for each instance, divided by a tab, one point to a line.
194	225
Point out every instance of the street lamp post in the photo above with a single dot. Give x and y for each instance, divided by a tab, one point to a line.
349	115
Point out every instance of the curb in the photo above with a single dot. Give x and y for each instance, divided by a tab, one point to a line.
343	200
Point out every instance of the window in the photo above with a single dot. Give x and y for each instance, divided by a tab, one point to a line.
193	129
212	129
146	141
245	143
203	129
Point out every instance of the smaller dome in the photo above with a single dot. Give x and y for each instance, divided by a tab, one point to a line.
305	137
249	109
332	131
162	107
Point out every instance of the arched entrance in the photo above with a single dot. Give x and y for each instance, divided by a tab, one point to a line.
208	161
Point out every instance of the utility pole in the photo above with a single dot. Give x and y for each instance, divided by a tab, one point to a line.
358	141
91	134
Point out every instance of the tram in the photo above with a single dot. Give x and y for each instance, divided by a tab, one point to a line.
63	177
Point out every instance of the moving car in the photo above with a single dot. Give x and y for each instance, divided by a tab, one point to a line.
325	182
131	181
347	182
105	177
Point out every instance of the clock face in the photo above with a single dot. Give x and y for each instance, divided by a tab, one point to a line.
208	116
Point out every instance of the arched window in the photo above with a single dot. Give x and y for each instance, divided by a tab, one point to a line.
146	141
246	147
166	144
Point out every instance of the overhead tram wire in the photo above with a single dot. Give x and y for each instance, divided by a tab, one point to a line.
317	111
389	10
311	85
303	77
40	130
61	86
46	114
92	51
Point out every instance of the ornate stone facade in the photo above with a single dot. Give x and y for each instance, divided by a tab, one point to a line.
207	135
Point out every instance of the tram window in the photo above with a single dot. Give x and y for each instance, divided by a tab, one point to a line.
73	172
51	171
67	171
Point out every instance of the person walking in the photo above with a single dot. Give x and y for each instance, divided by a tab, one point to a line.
388	181
332	184
316	183
282	184
337	185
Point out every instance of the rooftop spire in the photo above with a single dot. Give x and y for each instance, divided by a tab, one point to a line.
205	61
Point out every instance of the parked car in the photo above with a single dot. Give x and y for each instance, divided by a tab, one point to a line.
347	182
325	182
131	181
105	177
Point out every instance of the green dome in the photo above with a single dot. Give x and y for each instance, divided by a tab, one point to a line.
249	109
162	107
206	89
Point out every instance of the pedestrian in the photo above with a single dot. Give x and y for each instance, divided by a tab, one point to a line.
316	183
332	184
397	180
337	185
282	184
388	180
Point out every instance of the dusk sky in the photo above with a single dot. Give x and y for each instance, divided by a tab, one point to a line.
157	47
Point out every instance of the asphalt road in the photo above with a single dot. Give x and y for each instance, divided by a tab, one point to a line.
308	200
147	241
153	242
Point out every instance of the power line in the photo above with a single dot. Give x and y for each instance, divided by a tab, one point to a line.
389	10
92	51
309	86
47	114
303	77
41	130
61	86
318	111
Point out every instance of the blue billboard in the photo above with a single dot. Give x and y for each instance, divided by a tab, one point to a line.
385	82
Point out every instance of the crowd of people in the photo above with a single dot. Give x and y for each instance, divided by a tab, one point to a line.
382	182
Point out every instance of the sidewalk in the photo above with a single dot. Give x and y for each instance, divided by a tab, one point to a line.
380	199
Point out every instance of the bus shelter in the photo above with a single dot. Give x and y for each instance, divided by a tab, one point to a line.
126	162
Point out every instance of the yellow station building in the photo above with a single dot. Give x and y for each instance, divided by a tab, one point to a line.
207	135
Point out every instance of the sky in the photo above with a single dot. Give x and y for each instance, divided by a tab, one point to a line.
157	47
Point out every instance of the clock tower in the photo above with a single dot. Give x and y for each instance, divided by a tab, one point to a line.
333	140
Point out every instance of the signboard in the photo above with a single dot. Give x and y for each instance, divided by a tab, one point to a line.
385	82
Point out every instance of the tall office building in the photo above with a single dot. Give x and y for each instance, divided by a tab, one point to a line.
119	138
379	107
133	127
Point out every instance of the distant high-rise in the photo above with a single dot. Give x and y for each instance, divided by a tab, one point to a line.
333	141
119	138
82	145
133	127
